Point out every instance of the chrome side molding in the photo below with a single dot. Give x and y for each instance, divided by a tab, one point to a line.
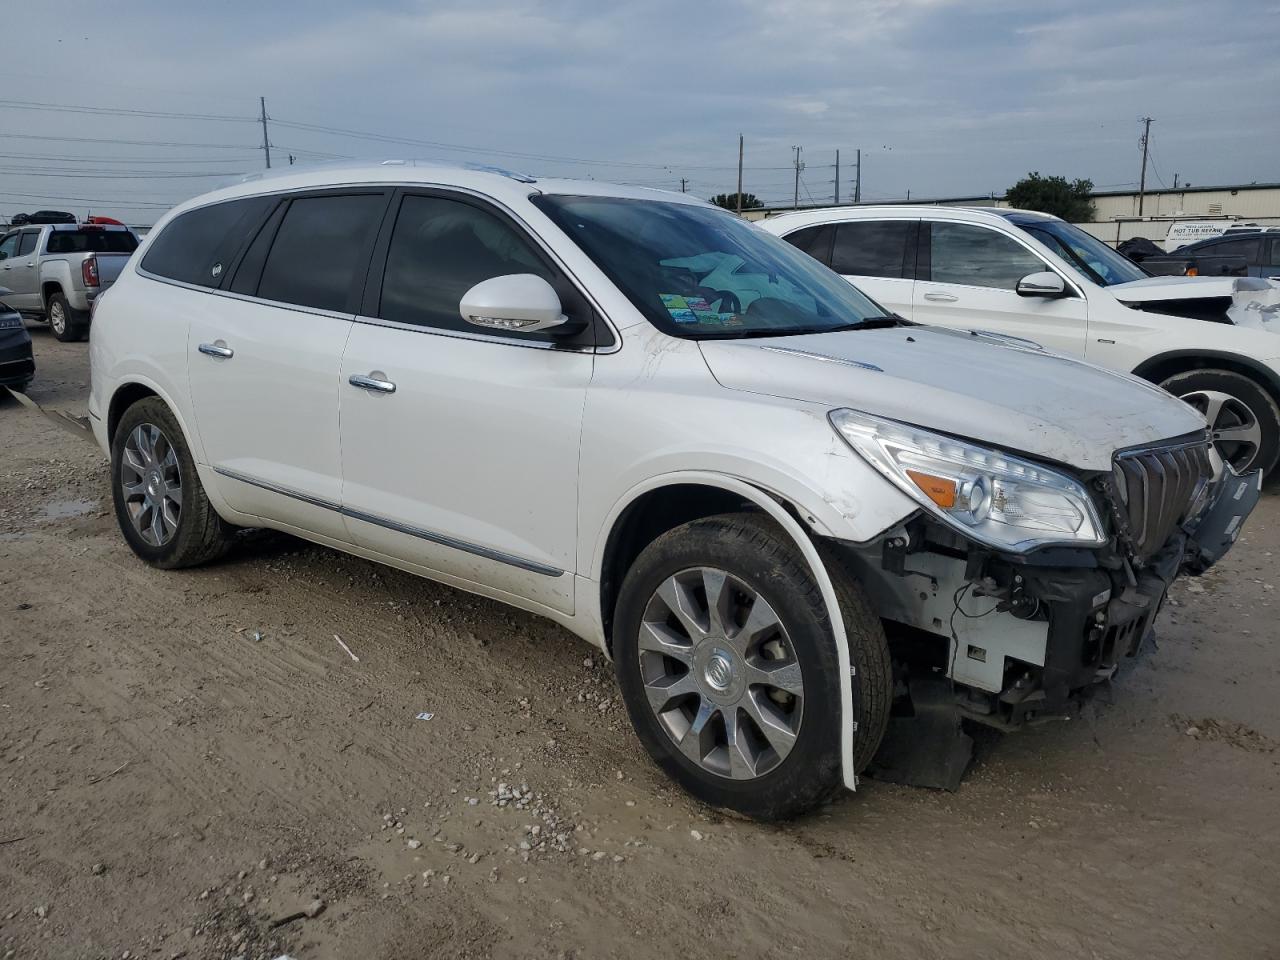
442	539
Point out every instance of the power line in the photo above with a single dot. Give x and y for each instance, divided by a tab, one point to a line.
116	175
130	143
263	117
315	153
141	160
464	148
117	202
118	111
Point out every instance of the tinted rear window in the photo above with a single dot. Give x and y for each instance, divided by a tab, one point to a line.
320	248
871	248
92	241
199	245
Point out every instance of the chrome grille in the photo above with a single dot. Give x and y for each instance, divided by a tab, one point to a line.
1156	488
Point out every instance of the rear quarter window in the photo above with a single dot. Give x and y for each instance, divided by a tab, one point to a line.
872	248
198	246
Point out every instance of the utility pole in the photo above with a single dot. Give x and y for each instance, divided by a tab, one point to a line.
857	183
1175	181
739	174
266	143
684	182
795	204
1142	180
837	178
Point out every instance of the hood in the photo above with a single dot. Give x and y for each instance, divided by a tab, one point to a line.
1173	288
963	384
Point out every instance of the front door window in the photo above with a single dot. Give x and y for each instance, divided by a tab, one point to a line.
979	257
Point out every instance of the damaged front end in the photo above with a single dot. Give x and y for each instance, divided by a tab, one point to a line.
1004	638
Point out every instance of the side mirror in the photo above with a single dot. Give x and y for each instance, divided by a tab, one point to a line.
519	301
1044	284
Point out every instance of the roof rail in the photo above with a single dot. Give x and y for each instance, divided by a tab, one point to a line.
501	171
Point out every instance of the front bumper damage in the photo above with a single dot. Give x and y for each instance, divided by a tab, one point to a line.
1006	640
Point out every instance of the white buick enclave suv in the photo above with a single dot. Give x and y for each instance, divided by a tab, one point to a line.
776	507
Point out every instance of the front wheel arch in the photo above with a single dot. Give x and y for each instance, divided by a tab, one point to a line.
1250	377
779	513
1161	367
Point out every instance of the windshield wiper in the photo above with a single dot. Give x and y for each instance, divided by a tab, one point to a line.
867	323
879	323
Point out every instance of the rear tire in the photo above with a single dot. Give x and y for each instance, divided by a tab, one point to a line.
160	504
753	648
68	325
1245	420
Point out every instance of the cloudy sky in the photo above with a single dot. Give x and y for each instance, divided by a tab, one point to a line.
944	98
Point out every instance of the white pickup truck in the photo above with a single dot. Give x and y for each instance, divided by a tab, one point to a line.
54	271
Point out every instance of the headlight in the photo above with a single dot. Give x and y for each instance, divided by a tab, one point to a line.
9	321
997	499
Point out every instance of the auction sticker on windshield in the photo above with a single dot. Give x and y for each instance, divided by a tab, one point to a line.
695	310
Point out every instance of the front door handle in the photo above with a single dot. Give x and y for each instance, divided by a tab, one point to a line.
31	266
941	297
217	349
376	381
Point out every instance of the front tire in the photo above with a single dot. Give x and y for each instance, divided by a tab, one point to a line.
729	670
160	504
1244	420
68	325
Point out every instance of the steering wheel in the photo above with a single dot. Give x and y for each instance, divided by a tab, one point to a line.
729	302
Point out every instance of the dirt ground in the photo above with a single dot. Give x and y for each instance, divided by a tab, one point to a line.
189	759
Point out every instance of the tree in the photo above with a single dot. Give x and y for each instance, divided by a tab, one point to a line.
1070	201
730	201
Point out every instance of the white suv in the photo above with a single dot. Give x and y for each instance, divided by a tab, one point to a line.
667	430
1035	276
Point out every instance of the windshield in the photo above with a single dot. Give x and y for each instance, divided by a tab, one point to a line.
699	272
1089	255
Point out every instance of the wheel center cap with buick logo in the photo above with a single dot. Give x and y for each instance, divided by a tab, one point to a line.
719	672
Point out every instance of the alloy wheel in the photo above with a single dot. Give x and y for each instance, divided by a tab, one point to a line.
57	318
1233	426
720	673
152	484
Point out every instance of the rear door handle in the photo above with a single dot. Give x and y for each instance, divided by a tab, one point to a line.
941	297
218	349
376	381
